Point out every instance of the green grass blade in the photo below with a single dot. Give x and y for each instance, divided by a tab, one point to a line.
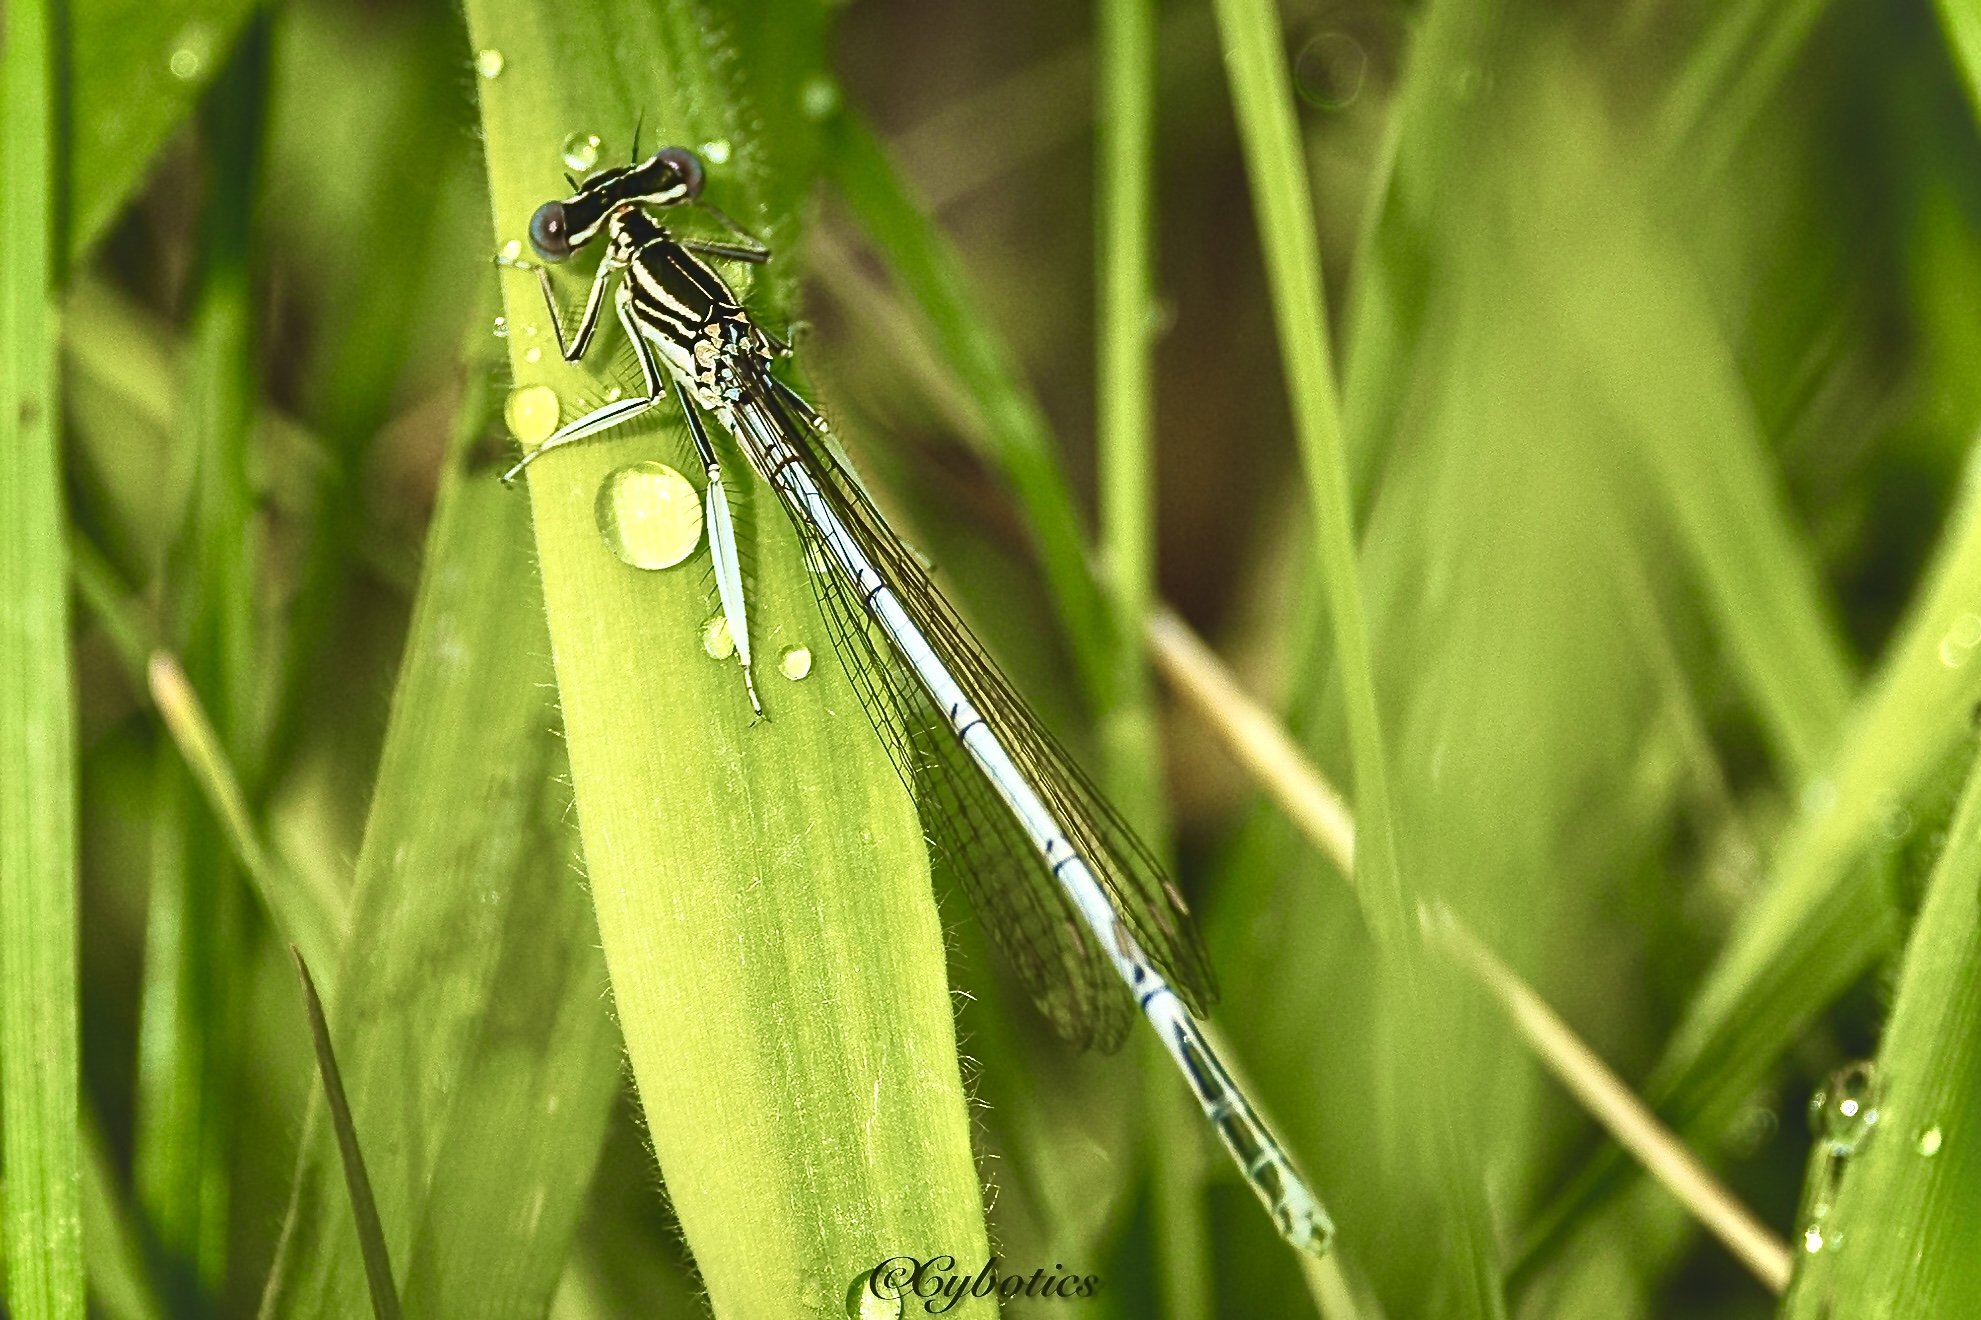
1125	435
1263	101
196	964
137	70
1962	21
480	1059
41	1223
364	1210
1896	1239
927	267
762	892
120	1282
1826	914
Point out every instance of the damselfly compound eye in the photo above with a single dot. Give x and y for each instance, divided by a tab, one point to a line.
549	234
687	165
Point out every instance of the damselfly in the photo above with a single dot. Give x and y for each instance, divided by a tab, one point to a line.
1070	895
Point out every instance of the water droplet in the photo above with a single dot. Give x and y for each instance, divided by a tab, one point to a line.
795	663
1845	1111
581	151
1329	70
649	515
191	50
1960	640
873	1306
716	152
1812	1239
532	413
820	97
489	63
1930	1141
533	354
501	327
512	250
716	640
614	394
1896	824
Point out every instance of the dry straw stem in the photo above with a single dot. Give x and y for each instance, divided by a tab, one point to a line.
1264	748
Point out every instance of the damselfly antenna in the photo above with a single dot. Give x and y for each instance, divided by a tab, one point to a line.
639	122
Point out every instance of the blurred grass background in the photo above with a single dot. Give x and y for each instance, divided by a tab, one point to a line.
1654	328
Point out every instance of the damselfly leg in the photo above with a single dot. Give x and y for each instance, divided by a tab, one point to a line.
715	496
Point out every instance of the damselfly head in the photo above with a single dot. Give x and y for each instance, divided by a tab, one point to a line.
669	177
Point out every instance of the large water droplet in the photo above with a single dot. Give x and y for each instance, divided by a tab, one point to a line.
716	639
795	663
1845	1111
649	515
1329	70
489	63
532	413
1930	1142
581	152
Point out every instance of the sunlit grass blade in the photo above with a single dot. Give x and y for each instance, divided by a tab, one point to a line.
761	892
1263	100
470	1022
1962	21
371	1235
1896	1237
41	1221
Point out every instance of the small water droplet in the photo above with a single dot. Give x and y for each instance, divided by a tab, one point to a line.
581	152
820	97
532	413
872	1306
489	63
1896	824
649	515
716	152
501	327
795	663
512	250
191	50
1930	1141
533	354
1845	1111
1812	1239
1330	69
716	639
614	394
